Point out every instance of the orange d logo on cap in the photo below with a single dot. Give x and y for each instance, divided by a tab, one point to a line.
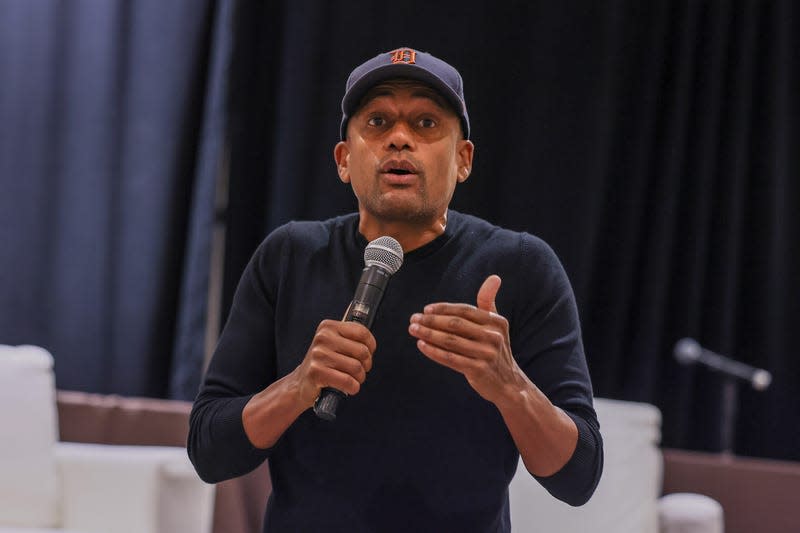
404	55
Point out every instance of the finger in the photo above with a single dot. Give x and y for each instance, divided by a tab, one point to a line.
328	346
450	342
347	337
354	355
323	357
463	326
488	293
356	350
343	382
466	321
447	358
328	369
466	311
357	332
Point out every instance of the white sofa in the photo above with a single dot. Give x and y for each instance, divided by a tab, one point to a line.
627	499
46	485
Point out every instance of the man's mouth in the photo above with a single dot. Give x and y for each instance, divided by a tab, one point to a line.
398	167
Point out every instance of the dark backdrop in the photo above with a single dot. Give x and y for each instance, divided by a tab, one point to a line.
652	144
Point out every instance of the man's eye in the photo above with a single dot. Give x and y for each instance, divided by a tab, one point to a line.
376	121
427	123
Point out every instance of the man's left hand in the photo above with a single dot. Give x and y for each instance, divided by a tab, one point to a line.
471	340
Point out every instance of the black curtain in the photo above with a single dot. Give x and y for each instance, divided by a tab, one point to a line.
652	144
111	128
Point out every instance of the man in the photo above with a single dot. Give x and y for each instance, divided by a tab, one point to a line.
443	395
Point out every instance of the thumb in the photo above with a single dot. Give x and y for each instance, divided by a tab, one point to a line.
488	292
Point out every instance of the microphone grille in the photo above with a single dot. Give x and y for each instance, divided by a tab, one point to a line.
761	379
384	252
687	351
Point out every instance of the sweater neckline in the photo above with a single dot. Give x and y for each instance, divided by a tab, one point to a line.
417	254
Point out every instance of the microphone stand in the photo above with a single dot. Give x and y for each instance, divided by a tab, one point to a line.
688	351
730	400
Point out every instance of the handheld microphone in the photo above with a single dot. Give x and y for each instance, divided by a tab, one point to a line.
382	257
688	351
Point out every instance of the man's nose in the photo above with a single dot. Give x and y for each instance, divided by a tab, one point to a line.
400	137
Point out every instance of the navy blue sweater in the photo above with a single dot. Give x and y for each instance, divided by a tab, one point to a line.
417	449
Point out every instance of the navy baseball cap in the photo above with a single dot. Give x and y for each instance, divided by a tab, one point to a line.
405	63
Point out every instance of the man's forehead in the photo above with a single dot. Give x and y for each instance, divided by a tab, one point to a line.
417	89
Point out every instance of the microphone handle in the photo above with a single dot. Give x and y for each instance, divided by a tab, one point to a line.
758	378
726	365
362	310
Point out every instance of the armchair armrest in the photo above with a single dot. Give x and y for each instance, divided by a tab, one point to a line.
131	489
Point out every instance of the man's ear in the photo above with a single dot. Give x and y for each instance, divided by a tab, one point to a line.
465	152
341	154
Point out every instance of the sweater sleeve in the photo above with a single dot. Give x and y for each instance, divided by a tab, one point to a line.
547	343
244	363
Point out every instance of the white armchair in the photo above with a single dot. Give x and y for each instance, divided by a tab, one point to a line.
627	499
46	485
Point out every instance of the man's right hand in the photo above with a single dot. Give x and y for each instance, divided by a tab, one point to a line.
340	356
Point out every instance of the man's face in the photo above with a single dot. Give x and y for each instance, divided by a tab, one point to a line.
404	154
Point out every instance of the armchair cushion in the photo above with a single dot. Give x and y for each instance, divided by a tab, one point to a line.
160	492
28	432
